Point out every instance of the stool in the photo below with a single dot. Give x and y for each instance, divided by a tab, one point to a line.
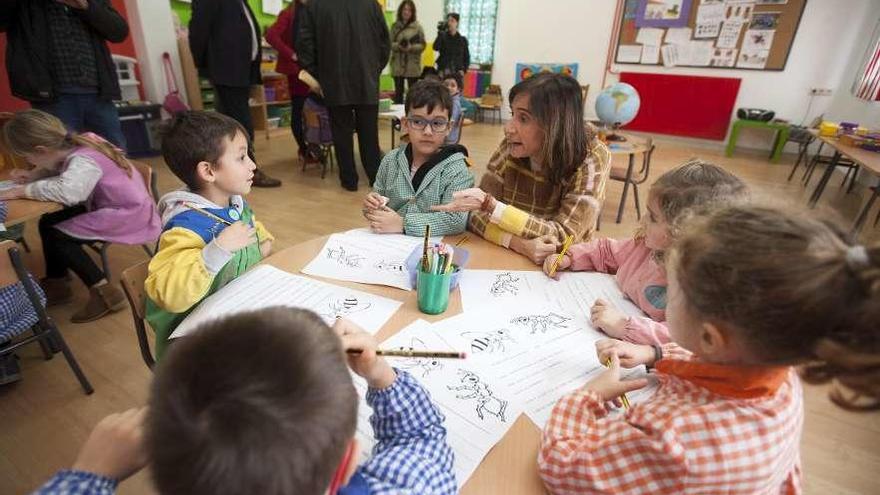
781	130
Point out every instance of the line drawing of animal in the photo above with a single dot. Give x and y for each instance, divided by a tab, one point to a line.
490	342
346	306
344	258
391	266
426	365
505	283
475	388
541	323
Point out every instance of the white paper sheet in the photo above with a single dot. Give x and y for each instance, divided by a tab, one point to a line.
651	54
272	7
629	54
752	59
677	36
758	39
724	57
670	55
649	36
365	258
729	35
478	409
700	53
266	286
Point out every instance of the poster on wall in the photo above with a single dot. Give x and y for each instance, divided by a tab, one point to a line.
663	13
527	70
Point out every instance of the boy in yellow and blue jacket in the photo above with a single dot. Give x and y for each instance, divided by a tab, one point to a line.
209	235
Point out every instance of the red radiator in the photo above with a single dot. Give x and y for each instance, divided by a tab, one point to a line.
690	106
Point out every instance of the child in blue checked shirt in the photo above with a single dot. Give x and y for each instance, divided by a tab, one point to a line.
422	173
17	315
263	402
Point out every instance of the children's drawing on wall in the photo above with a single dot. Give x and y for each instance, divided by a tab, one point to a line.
423	366
391	266
474	388
541	322
344	258
492	342
341	307
663	13
506	284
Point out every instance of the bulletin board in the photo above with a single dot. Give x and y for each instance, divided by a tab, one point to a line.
721	34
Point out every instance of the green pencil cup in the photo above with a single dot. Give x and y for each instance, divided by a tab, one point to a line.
433	291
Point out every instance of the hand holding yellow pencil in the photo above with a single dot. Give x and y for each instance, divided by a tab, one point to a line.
610	387
554	265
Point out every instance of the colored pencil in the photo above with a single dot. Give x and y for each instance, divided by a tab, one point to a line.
622	397
461	241
425	250
414	354
565	246
207	213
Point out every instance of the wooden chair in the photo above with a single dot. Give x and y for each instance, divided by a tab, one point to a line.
638	178
585	90
101	247
133	279
13	271
491	101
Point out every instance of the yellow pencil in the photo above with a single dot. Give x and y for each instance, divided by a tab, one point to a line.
622	397
461	241
565	246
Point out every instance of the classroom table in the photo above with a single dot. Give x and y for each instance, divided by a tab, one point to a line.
779	129
866	160
632	146
394	115
510	468
22	210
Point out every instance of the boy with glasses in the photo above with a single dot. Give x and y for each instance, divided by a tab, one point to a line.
422	173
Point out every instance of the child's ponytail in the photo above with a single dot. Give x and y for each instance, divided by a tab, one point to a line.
792	289
31	128
853	361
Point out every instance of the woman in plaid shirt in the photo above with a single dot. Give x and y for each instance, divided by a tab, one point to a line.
752	292
547	179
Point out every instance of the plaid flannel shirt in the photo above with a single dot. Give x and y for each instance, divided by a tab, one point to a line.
411	455
73	56
447	177
685	439
535	207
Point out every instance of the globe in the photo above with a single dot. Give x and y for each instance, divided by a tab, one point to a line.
617	105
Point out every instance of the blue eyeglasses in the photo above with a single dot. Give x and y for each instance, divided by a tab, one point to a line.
437	125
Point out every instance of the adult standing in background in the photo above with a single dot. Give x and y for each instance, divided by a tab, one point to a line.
57	59
407	45
454	55
345	45
281	35
224	38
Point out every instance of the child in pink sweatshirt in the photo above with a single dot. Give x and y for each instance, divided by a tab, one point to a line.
638	262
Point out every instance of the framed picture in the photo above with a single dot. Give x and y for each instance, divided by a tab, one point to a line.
663	13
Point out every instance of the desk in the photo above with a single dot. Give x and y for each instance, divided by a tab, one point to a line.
867	160
632	146
394	115
510	468
780	129
22	210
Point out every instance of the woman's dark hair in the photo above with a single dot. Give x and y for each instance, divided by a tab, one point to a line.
412	7
555	101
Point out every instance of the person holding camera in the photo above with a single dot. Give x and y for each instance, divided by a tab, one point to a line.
407	44
453	47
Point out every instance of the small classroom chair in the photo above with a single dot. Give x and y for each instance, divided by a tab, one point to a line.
639	177
133	279
13	271
101	247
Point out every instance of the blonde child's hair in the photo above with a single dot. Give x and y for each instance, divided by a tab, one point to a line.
694	187
793	290
31	128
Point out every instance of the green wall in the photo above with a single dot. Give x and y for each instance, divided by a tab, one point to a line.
264	20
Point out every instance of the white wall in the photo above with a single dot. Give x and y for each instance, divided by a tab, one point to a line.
429	12
152	29
844	106
831	34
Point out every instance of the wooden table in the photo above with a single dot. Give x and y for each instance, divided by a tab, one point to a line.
632	146
394	115
510	468
866	160
22	210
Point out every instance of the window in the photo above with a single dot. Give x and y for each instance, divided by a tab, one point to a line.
477	25
867	84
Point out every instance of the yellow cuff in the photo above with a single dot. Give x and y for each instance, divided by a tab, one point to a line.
513	220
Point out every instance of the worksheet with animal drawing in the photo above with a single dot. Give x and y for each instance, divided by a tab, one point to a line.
538	352
574	292
478	409
365	259
266	286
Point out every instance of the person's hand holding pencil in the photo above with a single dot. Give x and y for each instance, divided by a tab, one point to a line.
374	369
562	261
608	385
